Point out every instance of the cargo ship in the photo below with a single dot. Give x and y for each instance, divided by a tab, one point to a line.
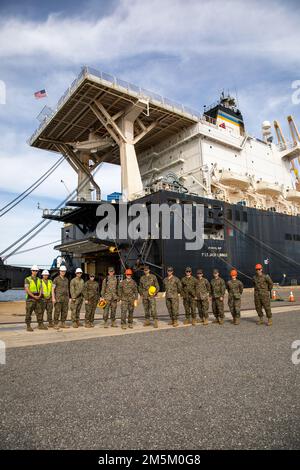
171	154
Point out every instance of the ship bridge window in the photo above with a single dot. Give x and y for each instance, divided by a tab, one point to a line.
237	216
245	217
296	238
288	236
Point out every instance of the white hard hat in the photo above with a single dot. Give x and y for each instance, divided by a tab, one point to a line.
78	270
34	268
45	272
62	268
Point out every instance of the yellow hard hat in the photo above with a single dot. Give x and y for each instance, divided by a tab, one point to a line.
152	290
102	303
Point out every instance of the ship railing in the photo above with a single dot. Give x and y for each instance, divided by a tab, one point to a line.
121	84
286	145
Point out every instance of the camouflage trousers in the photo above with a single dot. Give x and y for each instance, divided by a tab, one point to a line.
263	301
173	307
234	307
111	306
47	305
75	307
203	306
218	307
61	310
127	306
90	309
149	304
33	306
189	304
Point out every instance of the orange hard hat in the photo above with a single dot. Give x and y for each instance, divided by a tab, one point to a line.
233	272
258	266
128	271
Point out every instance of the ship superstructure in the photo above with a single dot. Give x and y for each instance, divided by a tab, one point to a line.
170	152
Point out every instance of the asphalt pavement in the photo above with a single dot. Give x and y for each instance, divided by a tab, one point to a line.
215	387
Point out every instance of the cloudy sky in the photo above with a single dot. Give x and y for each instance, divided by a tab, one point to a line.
187	50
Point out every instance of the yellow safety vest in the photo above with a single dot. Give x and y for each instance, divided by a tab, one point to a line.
34	285
47	288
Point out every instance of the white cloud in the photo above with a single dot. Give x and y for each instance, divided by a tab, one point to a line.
160	26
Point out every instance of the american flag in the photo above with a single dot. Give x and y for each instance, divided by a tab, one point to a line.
40	94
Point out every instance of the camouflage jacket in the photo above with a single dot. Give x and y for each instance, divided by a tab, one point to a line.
91	290
61	288
172	287
76	287
109	290
218	288
203	288
128	290
235	288
188	287
262	283
145	282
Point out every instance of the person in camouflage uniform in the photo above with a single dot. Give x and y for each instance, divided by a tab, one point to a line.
60	298
149	301
91	297
128	294
235	289
188	290
46	297
76	292
32	286
218	289
172	287
109	292
263	285
203	292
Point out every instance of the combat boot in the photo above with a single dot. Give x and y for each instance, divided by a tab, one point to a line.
216	320
130	325
175	323
187	321
56	326
237	321
113	324
29	327
155	324
75	325
270	322
199	320
194	323
63	325
106	324
92	324
205	321
124	327
87	324
260	321
50	324
79	323
171	322
41	326
221	321
147	322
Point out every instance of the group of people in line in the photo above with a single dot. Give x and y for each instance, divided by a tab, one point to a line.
44	295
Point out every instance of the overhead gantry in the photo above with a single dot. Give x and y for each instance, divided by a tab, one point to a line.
103	119
121	128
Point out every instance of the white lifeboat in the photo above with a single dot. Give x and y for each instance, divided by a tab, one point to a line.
234	180
293	196
262	187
